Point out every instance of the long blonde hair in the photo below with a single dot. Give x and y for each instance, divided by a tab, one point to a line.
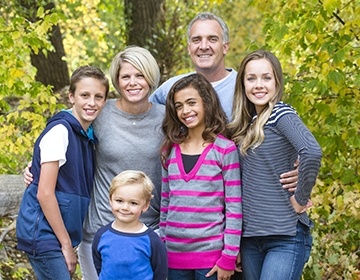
247	131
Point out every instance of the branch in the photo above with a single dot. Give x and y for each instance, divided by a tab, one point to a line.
7	230
342	22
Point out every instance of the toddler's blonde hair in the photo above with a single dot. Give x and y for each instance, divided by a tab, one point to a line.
130	177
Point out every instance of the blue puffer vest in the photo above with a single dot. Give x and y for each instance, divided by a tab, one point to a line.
73	190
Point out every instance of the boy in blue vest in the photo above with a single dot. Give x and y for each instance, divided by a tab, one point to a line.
53	207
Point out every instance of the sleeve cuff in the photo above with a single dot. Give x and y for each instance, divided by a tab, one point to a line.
226	262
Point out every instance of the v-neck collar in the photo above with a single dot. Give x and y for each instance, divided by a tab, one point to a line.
188	176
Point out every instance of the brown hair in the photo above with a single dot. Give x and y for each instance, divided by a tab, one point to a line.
88	71
215	118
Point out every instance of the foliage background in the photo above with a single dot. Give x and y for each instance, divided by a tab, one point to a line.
317	42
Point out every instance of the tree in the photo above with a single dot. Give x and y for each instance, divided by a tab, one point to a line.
318	44
50	64
25	103
141	17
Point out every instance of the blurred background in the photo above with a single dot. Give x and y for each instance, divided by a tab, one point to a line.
317	42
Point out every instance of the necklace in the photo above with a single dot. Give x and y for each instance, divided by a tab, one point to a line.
135	118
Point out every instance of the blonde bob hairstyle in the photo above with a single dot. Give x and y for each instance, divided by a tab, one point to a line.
142	60
131	177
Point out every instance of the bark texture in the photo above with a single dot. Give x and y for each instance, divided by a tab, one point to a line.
142	16
11	191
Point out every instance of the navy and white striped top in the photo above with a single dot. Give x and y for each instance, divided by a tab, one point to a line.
266	206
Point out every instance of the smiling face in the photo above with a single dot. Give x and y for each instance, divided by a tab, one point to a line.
88	100
127	203
134	88
259	82
206	47
190	108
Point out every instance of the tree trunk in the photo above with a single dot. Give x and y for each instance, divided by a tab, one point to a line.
141	19
51	69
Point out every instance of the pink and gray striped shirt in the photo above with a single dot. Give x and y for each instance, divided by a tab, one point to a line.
201	213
